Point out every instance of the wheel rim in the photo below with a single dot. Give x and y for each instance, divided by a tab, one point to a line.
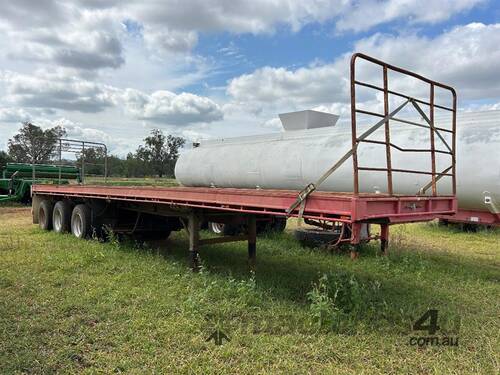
77	226
57	220
217	228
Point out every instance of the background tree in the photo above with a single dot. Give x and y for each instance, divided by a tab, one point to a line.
159	153
173	146
33	144
156	157
116	166
133	166
94	161
4	159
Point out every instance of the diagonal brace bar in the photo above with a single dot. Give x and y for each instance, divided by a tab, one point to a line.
313	186
422	113
423	189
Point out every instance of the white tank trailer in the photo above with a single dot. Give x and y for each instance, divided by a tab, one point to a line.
312	142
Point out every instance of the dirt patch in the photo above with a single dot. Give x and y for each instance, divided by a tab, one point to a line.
14	210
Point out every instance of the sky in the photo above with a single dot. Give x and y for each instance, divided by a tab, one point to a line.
111	71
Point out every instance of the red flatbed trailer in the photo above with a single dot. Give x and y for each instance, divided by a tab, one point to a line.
194	205
161	210
327	206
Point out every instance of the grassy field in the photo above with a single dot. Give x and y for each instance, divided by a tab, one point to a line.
70	305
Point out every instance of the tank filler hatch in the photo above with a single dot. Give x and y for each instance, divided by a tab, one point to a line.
307	119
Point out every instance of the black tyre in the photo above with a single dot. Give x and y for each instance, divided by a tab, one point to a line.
278	224
45	215
275	224
153	235
443	222
316	237
61	217
81	221
471	228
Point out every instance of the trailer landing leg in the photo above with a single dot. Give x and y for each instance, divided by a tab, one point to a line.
384	238
252	241
194	240
354	252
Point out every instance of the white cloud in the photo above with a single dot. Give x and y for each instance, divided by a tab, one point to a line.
76	130
49	91
163	39
273	124
465	57
56	91
311	85
14	115
236	16
482	107
363	15
62	34
166	107
194	135
79	131
89	35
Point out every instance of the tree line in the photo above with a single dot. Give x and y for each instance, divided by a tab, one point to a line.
155	157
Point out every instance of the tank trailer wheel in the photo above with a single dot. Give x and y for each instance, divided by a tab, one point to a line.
80	221
61	217
156	235
217	228
316	237
224	229
278	225
45	215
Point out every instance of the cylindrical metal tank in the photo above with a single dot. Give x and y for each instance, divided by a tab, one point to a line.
292	159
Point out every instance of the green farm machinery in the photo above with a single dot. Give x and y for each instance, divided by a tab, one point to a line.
17	178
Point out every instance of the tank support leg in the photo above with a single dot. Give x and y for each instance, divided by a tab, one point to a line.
252	241
384	238
194	240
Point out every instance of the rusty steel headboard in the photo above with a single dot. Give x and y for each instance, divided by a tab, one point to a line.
387	117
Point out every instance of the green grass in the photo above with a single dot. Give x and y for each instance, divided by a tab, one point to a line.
70	305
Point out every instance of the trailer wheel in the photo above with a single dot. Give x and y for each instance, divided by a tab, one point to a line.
61	217
80	221
45	215
217	228
275	224
316	237
155	235
224	229
278	224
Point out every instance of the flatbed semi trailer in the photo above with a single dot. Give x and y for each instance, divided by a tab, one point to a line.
86	210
